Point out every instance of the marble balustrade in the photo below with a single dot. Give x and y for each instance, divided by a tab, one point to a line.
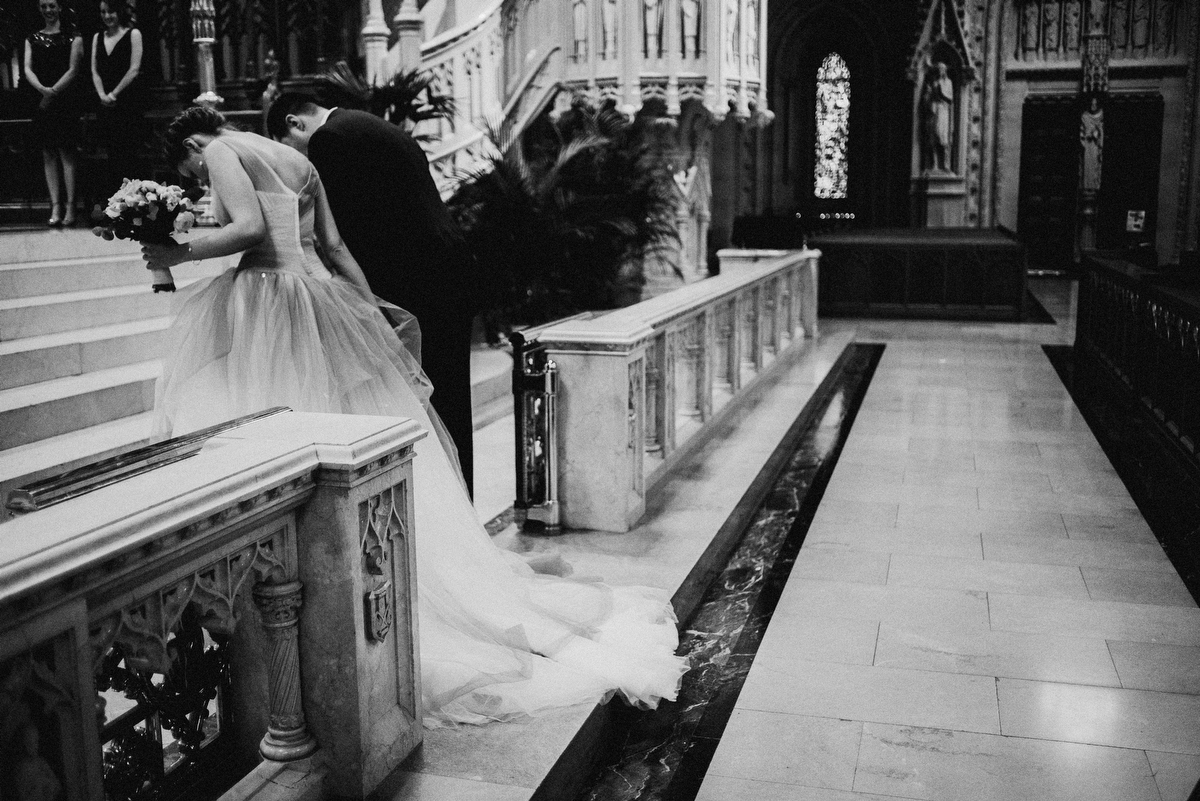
290	540
640	387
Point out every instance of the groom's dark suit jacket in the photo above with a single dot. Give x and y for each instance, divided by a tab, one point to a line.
391	216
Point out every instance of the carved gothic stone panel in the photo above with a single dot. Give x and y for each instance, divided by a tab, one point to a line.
40	735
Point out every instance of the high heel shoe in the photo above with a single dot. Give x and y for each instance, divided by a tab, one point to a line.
56	216
68	219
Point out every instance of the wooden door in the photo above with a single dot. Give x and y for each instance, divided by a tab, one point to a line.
1129	173
1049	180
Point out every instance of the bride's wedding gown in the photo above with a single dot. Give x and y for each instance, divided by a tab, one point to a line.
498	641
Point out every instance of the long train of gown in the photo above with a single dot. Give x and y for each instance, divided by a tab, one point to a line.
498	641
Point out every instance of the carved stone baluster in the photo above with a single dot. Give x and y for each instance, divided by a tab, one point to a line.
653	397
287	738
733	353
751	324
667	390
685	373
706	331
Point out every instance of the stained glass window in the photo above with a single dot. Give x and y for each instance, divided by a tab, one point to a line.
833	128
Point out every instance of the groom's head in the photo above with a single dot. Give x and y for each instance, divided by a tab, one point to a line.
293	118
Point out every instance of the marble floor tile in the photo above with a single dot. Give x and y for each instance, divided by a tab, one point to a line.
1030	523
934	477
997	653
1176	774
964	461
929	541
1105	527
940	448
824	639
942	765
876	694
1137	586
789	749
1092	484
1086	449
1058	581
1024	499
875	474
838	564
838	510
1085	553
487	752
950	609
727	788
1100	715
405	786
1107	620
1153	666
865	439
905	494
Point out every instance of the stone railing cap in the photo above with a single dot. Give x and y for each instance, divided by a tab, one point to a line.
39	546
627	327
342	441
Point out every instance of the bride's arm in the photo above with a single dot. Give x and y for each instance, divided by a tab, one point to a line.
340	260
246	227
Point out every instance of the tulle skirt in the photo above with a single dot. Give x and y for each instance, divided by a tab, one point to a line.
498	640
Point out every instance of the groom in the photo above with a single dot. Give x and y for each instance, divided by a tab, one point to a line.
392	219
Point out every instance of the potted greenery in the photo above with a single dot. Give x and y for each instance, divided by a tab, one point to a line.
563	216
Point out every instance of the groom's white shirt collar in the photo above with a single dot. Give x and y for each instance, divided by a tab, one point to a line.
328	111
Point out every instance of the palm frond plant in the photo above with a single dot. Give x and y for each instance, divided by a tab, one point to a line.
409	98
561	218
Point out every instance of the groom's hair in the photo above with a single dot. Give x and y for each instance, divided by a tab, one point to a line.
288	103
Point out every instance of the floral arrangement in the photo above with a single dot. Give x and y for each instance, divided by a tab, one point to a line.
147	211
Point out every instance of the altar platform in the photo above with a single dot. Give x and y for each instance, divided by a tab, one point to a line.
934	273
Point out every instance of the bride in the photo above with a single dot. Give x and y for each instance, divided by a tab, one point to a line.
295	324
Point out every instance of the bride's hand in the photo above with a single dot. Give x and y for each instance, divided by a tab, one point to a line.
163	256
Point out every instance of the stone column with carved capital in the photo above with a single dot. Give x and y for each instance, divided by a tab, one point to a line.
410	33
375	35
287	738
203	35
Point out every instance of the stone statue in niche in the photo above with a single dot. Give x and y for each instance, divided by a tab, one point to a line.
1164	27
1091	136
752	31
1141	23
1120	23
608	19
1031	33
1071	26
33	778
689	22
652	24
937	106
1095	16
1031	30
731	31
1050	29
579	16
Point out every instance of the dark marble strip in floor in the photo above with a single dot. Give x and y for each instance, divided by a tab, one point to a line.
1161	481
664	754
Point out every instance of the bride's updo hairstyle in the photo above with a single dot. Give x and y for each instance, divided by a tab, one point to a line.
194	120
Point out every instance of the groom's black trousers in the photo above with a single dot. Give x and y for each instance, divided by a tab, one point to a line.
446	359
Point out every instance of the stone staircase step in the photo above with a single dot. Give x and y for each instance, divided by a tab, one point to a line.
33	279
17	247
43	358
62	405
25	464
66	311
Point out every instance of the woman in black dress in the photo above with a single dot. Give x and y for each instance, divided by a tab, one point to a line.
52	59
116	61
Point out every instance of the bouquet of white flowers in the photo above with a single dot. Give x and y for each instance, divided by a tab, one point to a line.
147	211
